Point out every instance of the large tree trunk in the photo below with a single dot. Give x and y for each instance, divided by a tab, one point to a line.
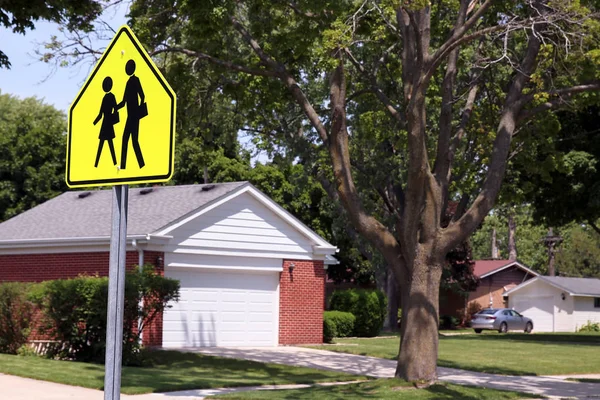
392	297
417	360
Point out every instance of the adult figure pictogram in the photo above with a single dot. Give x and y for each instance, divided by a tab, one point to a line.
110	116
135	111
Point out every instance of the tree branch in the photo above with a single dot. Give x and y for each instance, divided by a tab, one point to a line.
594	226
561	97
375	88
458	34
216	61
456	231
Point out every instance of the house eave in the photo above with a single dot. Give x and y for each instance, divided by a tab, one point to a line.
78	241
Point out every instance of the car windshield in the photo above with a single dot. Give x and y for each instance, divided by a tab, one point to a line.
488	312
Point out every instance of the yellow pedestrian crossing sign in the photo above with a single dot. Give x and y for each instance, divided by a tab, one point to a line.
122	122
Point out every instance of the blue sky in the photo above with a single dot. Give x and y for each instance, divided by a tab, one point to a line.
26	77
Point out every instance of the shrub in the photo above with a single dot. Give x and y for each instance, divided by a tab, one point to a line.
337	324
74	313
329	329
27	351
16	312
449	322
590	327
368	306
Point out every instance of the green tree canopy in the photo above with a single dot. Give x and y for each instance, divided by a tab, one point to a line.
398	107
579	254
32	153
21	15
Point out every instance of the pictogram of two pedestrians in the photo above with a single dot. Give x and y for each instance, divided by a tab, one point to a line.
109	113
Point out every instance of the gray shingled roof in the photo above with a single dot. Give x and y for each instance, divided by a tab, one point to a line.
72	216
577	286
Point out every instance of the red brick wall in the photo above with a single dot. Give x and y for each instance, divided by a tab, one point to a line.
43	267
495	284
301	298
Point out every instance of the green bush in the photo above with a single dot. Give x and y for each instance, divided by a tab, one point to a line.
16	312
74	313
337	324
590	327
27	351
449	322
368	306
329	329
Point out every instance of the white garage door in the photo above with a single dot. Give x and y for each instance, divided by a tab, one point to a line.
539	309
223	308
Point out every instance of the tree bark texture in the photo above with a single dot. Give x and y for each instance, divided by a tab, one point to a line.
417	360
392	292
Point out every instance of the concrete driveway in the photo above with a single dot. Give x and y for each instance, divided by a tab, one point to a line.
380	368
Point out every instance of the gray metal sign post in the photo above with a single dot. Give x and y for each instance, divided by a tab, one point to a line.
116	294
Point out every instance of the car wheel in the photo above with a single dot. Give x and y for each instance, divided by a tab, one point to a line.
503	328
477	330
528	327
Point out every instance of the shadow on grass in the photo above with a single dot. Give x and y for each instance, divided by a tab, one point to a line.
175	371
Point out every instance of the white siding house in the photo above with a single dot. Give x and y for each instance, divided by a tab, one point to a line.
557	304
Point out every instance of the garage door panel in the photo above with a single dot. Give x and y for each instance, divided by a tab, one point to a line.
260	316
232	316
539	309
222	308
261	327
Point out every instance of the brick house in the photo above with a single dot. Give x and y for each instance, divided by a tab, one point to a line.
496	278
251	274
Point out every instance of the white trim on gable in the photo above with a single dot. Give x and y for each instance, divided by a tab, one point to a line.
549	282
510	264
521	286
320	247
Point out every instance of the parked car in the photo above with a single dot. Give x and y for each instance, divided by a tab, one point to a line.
501	320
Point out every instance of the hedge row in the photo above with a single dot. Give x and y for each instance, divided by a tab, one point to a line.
73	313
368	307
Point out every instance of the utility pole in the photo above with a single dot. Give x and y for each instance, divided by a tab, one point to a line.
552	242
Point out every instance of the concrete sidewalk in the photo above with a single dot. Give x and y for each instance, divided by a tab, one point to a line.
17	388
553	387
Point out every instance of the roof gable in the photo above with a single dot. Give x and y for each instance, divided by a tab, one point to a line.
159	210
587	287
485	268
254	195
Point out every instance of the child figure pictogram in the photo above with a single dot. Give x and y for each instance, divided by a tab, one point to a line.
110	116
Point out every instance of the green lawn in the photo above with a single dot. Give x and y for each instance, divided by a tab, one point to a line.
171	371
381	389
511	354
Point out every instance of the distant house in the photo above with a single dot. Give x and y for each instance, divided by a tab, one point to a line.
556	303
496	278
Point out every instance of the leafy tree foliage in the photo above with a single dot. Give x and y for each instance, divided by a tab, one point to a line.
569	187
411	104
579	254
397	108
21	15
529	233
32	153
